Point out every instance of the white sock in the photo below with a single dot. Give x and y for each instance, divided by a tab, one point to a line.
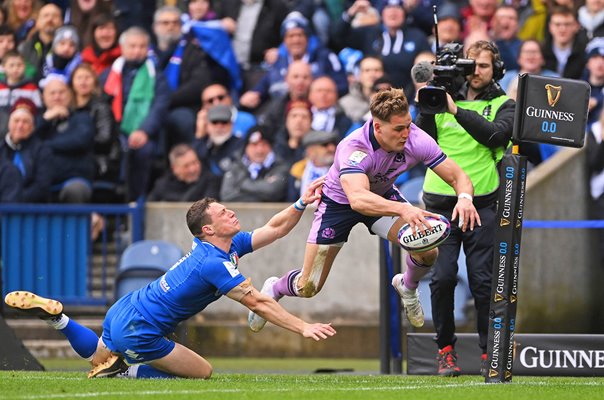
59	322
132	371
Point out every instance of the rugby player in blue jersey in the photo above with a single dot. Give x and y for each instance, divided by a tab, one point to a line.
136	327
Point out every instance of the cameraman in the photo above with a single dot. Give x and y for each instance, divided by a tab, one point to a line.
474	131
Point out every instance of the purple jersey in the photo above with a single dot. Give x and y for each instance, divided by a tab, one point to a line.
360	152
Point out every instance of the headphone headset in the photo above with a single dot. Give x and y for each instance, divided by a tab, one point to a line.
498	66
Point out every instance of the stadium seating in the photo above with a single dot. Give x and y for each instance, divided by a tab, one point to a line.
143	262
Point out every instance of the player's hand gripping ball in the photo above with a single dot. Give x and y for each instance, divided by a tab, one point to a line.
424	239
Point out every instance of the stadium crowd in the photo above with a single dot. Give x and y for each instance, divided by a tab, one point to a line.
112	101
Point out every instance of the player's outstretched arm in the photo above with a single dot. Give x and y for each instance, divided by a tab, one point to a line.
269	309
283	222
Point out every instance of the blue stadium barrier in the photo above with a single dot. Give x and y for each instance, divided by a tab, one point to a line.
48	249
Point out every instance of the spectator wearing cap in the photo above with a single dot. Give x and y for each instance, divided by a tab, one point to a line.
298	80
188	69
36	48
30	155
15	86
64	55
288	140
219	146
320	150
327	115
564	47
186	180
258	175
141	97
218	94
395	42
356	103
254	26
504	32
298	44
70	136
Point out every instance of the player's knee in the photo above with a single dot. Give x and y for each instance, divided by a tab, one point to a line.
427	258
309	289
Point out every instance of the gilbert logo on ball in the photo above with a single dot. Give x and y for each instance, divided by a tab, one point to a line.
425	239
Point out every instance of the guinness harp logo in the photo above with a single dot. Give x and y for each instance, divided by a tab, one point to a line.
553	94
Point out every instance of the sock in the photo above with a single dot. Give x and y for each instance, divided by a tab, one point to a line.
286	285
144	371
414	273
83	340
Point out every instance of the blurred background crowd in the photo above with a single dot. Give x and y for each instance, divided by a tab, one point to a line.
241	100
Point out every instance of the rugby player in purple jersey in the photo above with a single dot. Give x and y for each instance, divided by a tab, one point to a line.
359	188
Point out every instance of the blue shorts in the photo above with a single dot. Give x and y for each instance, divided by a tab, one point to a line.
334	221
125	331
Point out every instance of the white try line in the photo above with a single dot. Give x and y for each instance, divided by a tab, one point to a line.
298	390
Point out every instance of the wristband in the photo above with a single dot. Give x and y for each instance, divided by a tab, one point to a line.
299	205
465	196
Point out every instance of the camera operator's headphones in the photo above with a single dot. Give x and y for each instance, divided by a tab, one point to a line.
498	66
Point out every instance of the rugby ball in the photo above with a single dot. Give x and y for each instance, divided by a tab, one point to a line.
424	239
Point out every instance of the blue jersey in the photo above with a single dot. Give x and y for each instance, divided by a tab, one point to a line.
198	279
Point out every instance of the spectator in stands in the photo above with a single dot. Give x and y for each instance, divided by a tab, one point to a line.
141	97
10	183
257	175
356	103
186	180
8	43
70	135
36	47
504	32
21	16
218	147
298	79
218	94
327	115
28	153
591	18
15	87
396	43
449	26
188	69
530	60
477	16
595	78
64	55
81	13
130	13
254	27
103	49
298	45
288	140
595	165
89	98
320	150
200	10
564	48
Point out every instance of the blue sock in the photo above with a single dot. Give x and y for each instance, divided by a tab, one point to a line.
147	371
82	339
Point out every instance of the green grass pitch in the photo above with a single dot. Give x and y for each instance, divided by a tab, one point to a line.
281	379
